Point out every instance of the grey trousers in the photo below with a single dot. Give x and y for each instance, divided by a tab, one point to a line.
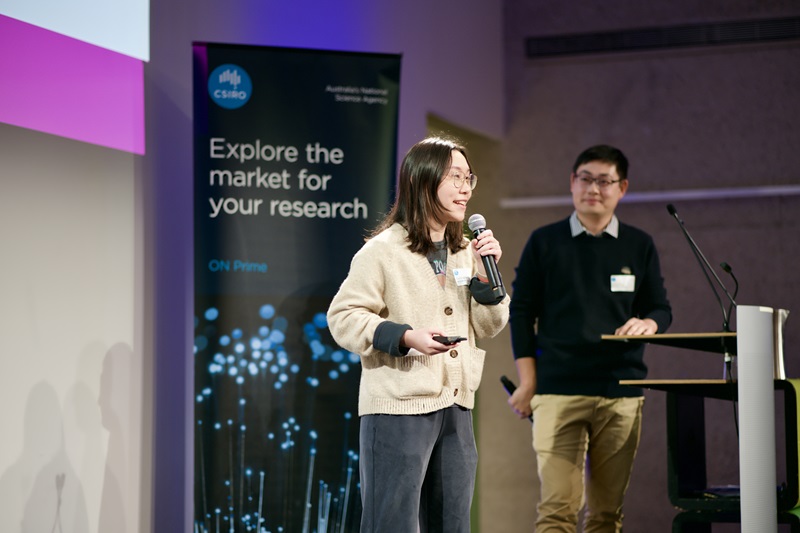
417	472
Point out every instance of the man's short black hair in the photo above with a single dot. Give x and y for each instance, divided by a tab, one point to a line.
606	154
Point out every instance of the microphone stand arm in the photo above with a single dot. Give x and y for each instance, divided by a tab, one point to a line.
706	267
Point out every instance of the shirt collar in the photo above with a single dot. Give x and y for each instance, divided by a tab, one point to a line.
577	228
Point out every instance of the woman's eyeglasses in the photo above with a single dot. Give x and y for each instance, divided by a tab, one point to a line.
459	178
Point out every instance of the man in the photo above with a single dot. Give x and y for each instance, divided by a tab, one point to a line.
578	279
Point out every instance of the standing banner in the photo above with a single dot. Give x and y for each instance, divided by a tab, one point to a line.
295	156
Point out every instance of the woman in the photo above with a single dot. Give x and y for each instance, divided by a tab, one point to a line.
415	279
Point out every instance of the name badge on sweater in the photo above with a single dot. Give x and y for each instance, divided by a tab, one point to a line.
462	276
623	283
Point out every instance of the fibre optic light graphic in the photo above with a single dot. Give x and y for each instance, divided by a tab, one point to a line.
276	434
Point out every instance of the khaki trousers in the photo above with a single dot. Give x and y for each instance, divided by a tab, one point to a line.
585	446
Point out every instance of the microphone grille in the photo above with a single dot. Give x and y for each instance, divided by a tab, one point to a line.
476	222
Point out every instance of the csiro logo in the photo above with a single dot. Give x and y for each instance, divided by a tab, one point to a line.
230	86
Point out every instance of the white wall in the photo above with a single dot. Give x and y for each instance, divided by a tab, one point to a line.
71	388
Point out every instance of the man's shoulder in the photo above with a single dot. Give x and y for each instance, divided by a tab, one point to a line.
554	229
628	231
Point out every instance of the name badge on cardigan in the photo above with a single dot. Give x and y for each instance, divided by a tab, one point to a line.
462	276
623	283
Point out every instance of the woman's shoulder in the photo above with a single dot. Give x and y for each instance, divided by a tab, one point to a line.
391	235
387	240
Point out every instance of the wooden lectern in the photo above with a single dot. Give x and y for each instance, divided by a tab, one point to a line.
686	439
703	342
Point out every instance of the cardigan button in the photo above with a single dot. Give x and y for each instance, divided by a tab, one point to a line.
453	353
455	392
448	310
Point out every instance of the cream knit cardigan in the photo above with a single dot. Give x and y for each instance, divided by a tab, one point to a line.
389	282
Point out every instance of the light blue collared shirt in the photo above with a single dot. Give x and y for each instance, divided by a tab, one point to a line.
577	228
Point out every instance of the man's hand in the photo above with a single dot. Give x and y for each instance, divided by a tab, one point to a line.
520	401
637	326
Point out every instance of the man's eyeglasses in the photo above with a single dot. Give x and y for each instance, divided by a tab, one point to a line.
459	178
587	180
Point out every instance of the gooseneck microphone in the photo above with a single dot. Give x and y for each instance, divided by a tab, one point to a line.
727	268
477	224
706	267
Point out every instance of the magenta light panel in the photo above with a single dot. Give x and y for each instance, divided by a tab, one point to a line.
62	86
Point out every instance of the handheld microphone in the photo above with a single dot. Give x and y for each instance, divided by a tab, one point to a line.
706	267
477	224
510	388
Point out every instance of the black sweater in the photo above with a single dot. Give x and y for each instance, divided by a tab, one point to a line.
563	285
